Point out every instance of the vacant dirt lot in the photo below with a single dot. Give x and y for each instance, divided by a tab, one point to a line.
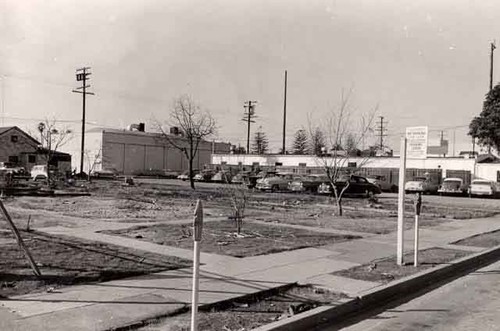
220	237
167	205
67	261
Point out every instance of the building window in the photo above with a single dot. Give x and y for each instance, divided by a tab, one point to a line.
13	139
351	164
31	158
303	165
277	164
13	159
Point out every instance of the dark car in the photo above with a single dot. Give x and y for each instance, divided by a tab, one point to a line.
358	186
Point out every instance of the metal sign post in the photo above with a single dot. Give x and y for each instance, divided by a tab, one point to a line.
418	206
401	201
198	227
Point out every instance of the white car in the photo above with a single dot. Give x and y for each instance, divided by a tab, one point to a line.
39	172
483	187
421	185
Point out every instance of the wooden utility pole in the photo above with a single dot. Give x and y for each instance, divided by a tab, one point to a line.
248	117
284	116
81	76
492	49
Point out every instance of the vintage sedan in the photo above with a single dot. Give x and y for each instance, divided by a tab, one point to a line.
483	187
204	176
453	186
274	182
222	177
383	183
358	186
421	185
185	174
309	183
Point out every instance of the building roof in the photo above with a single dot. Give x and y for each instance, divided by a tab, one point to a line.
8	128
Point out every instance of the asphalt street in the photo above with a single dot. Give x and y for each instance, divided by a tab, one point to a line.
471	302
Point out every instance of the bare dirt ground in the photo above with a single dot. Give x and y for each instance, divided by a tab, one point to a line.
220	237
386	270
68	261
252	312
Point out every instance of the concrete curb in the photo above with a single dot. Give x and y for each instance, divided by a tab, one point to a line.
379	295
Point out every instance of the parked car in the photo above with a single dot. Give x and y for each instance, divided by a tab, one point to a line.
222	177
204	175
39	172
483	187
241	178
383	183
107	173
12	168
453	186
309	183
185	174
274	182
421	184
170	174
358	186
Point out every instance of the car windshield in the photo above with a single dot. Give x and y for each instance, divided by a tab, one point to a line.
419	179
481	182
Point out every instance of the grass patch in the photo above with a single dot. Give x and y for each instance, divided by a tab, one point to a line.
489	239
66	261
386	269
219	237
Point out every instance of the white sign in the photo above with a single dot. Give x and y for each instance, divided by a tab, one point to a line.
416	137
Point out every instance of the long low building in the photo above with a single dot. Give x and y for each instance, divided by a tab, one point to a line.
481	167
130	152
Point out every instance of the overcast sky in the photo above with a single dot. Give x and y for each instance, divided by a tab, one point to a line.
423	62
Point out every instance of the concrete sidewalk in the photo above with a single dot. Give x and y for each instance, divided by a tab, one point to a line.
119	303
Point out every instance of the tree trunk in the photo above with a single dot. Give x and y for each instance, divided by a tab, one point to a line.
191	173
339	205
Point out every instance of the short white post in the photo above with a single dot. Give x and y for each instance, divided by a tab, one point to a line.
418	206
401	201
198	226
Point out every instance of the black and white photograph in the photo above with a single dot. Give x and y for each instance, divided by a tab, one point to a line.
236	165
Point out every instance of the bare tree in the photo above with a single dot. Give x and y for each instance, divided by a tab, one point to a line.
238	196
52	137
344	137
195	125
